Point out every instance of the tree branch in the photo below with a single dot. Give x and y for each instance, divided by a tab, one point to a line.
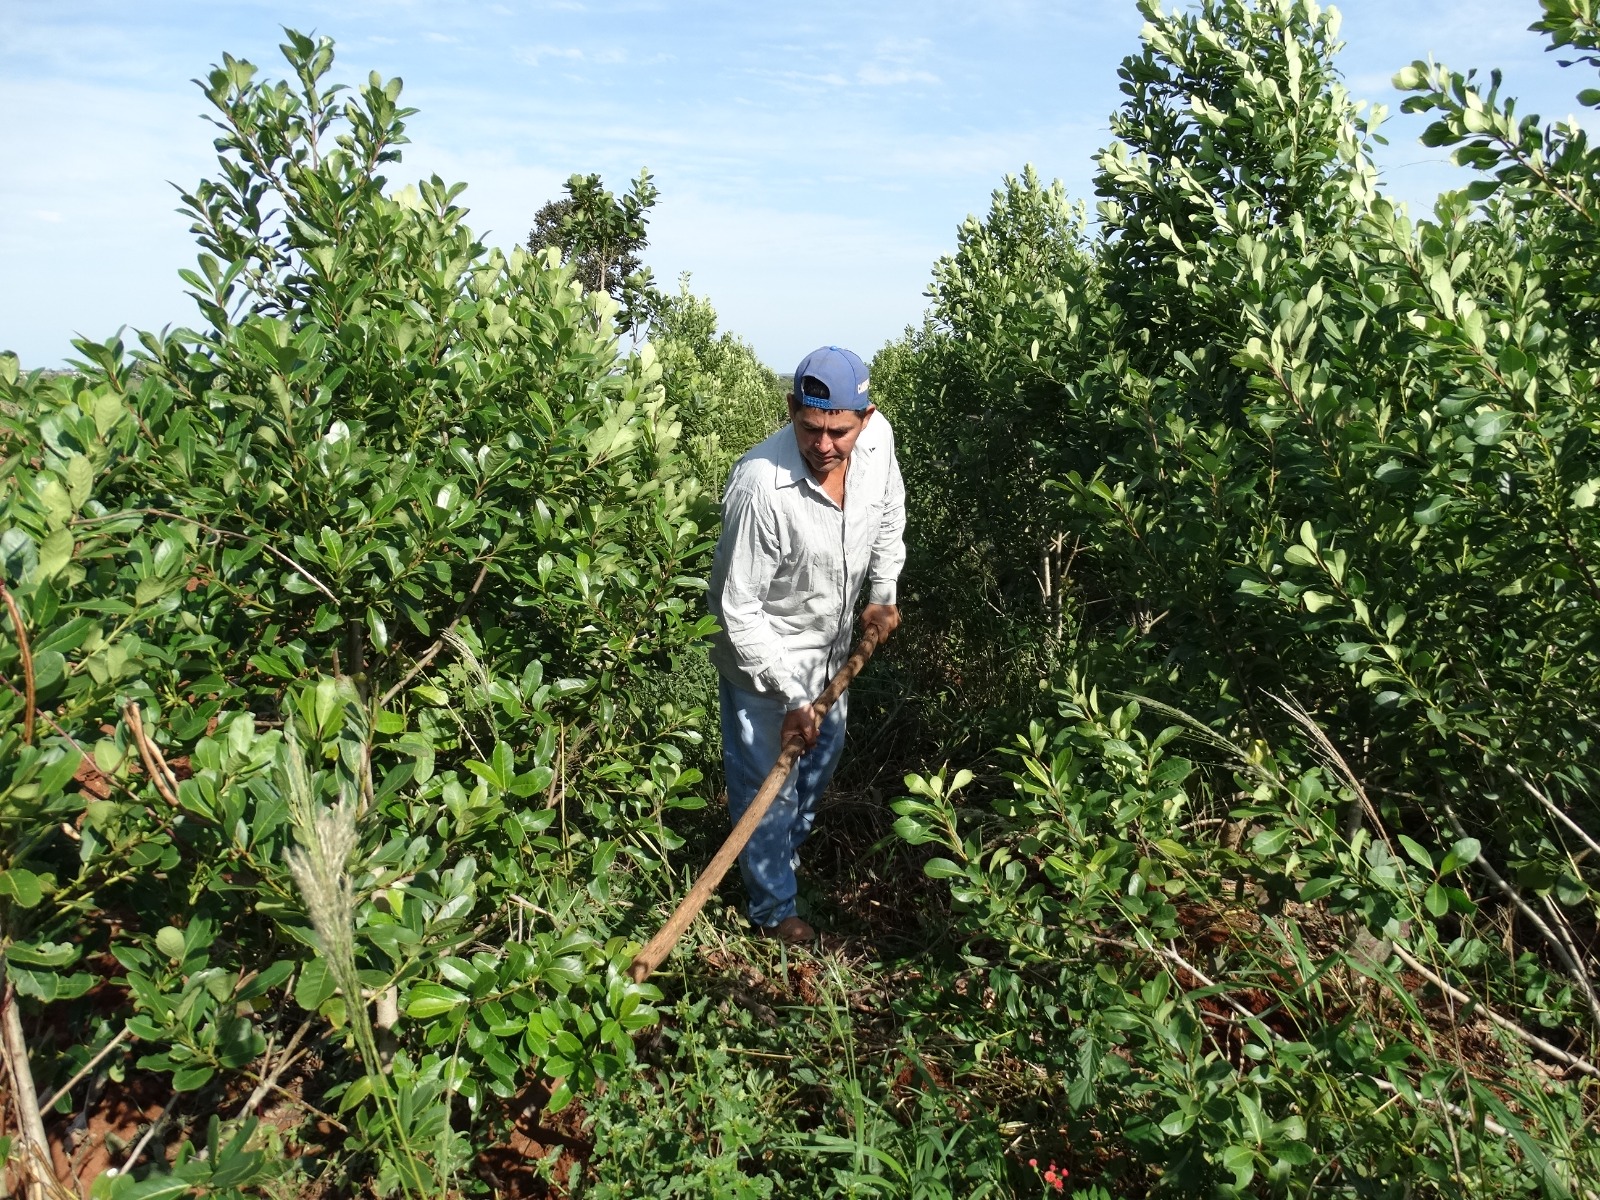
1553	809
155	766
1534	1040
35	1146
1557	943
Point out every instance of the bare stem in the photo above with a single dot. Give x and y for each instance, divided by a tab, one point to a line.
149	1135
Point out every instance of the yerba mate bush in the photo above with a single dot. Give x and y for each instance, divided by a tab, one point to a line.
1318	483
365	574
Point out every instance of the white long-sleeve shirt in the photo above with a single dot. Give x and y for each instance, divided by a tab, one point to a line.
790	563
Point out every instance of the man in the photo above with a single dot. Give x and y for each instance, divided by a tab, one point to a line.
809	516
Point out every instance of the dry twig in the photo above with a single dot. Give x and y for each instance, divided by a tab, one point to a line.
1556	941
49	1102
149	1135
285	1061
155	766
1555	811
1172	956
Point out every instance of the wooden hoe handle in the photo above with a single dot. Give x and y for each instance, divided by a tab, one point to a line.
657	949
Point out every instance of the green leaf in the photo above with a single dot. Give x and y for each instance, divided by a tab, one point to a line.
1490	426
55	553
58	505
272	664
1415	851
378	630
315	985
1300	556
1433	512
1353	652
108	410
1315	889
1436	900
1269	841
1297	1154
431	999
47	985
941	868
266	980
80	481
169	940
151	588
1412	78
1241	1161
22	886
160	1186
1570	891
43	954
190	1078
1463	852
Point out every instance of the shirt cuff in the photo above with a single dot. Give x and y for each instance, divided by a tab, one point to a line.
791	689
882	593
795	695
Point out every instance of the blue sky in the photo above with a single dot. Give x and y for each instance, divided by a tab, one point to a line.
814	159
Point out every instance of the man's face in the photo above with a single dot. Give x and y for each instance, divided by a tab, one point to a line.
826	437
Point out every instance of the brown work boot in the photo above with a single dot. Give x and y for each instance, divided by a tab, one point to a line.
791	930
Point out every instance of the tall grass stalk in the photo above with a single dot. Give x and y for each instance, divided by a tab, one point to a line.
328	838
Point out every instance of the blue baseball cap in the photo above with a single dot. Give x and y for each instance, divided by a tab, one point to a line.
841	373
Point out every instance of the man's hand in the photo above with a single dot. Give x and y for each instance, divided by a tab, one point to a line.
802	721
885	616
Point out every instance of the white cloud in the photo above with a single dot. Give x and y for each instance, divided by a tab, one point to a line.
533	55
730	105
877	75
800	81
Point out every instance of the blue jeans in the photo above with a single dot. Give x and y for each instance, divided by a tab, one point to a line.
750	745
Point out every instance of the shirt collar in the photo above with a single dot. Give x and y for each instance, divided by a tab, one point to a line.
789	468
